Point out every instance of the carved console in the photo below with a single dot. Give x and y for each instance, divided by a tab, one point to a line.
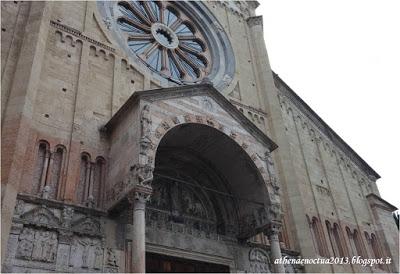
48	235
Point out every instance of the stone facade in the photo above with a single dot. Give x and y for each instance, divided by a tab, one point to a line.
105	159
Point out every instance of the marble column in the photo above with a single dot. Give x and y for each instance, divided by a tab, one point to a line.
138	198
273	237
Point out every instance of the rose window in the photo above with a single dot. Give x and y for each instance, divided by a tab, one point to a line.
165	39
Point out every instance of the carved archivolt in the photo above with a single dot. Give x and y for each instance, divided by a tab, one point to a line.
264	163
142	173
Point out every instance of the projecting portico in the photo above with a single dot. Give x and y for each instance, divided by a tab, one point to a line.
199	170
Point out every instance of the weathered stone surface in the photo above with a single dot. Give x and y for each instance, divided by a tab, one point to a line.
79	132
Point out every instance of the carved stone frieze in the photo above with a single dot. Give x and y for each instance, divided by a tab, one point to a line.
41	215
259	261
255	222
19	208
37	245
87	225
67	216
273	179
111	258
86	253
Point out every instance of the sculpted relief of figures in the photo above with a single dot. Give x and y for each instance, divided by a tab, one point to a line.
143	172
192	205
63	240
259	261
86	253
177	198
37	245
267	159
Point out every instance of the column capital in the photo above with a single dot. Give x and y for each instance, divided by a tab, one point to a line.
140	194
273	228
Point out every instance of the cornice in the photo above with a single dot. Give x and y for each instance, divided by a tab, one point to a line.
376	201
60	204
323	127
188	91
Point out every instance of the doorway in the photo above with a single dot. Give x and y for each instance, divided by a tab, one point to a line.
157	263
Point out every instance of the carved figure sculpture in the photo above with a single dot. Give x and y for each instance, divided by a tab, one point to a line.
98	257
46	192
67	215
25	246
111	257
85	252
51	248
267	158
38	246
145	122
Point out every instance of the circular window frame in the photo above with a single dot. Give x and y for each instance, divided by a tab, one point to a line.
220	61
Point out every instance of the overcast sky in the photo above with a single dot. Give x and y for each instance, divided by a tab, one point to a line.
343	59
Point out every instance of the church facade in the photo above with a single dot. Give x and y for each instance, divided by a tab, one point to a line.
153	136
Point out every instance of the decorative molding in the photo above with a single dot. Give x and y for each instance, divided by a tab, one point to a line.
190	255
188	91
41	216
79	34
259	261
323	190
238	8
253	109
255	21
28	198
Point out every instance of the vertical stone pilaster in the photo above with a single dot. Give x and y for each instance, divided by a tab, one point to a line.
73	153
138	198
16	122
298	227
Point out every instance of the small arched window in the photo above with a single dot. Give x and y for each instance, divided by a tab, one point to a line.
97	190
41	166
337	234
374	247
329	228
318	237
356	242
56	168
90	188
84	178
335	239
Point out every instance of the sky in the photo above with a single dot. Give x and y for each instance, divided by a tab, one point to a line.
343	59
